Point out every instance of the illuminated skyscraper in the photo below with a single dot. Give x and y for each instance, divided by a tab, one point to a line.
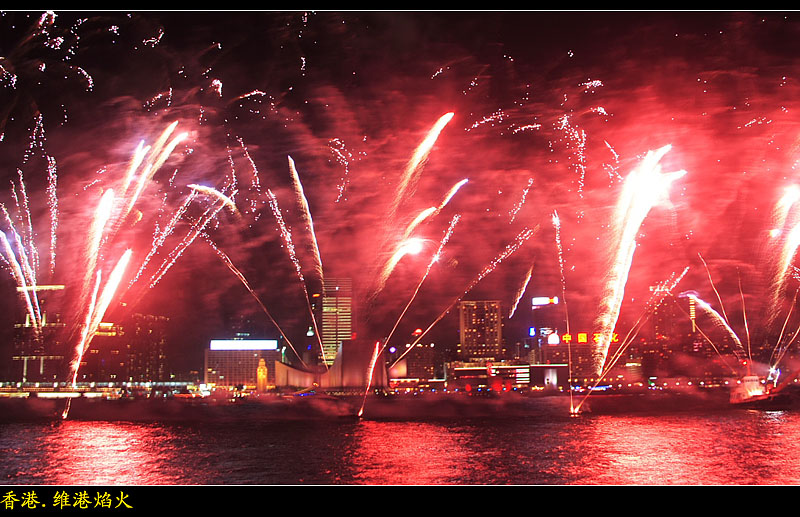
481	330
133	350
337	315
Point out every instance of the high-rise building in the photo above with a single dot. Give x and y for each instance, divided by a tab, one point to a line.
133	350
481	326
337	316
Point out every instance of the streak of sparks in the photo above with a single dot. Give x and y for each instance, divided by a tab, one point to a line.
717	318
302	201
414	167
211	191
378	349
509	250
521	202
289	244
643	188
521	291
97	309
560	248
230	265
434	210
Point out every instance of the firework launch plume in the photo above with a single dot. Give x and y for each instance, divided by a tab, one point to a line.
414	167
289	245
98	282
644	187
306	212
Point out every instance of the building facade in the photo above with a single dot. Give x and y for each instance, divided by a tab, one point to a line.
337	316
133	350
241	363
481	330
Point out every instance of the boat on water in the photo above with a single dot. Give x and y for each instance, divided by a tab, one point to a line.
752	392
749	390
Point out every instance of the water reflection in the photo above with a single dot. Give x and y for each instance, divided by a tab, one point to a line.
728	447
103	453
408	453
734	447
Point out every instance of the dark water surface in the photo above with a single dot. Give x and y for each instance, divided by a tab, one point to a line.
688	448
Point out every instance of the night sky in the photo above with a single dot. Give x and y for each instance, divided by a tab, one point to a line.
551	111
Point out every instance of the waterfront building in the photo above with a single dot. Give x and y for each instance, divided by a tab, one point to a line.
421	361
133	350
241	362
354	367
236	363
473	377
481	331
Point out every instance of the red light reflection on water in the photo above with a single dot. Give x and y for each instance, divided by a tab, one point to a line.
407	453
103	453
760	448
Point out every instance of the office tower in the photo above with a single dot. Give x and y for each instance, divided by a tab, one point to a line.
132	350
481	330
337	316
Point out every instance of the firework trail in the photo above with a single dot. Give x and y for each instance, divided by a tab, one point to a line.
560	247
744	317
52	198
782	351
428	212
785	237
409	245
147	160
719	320
434	259
24	209
97	309
96	234
791	241
713	286
342	157
521	202
415	165
229	264
10	259
783	207
22	271
509	250
370	371
660	292
643	188
212	192
521	291
303	204
434	210
197	226
287	238
378	349
160	236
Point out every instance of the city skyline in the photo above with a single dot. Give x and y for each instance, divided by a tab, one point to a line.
504	162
